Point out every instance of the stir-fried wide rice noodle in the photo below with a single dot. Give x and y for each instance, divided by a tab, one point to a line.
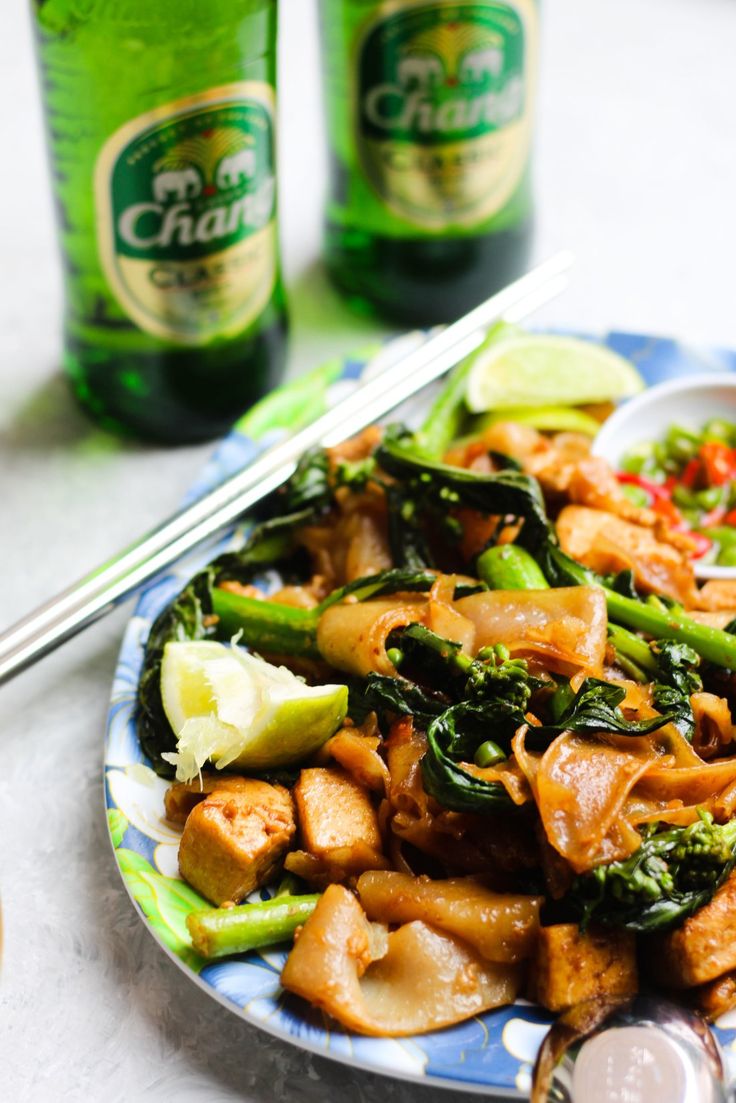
425	980
714	729
427	916
358	754
445	619
405	749
500	926
566	627
508	774
352	636
581	787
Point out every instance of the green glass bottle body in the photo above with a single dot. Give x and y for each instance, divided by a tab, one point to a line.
429	108
160	121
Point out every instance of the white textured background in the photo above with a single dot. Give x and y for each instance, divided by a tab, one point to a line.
636	171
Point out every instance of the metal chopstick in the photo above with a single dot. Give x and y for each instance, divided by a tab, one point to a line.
98	592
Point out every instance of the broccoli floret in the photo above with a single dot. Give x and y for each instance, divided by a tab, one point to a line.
493	674
674	872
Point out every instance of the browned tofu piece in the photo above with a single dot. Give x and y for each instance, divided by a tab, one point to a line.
234	839
716	997
181	797
571	967
339	827
703	948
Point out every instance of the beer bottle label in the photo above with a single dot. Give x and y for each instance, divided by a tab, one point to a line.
186	213
443	108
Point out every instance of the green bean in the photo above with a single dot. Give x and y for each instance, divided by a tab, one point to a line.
488	754
218	932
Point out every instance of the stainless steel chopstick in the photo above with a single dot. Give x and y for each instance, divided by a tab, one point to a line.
98	592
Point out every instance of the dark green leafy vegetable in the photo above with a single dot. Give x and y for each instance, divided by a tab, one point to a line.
675	871
455	737
678	678
309	487
444	666
593	709
678	666
502	493
394	697
183	619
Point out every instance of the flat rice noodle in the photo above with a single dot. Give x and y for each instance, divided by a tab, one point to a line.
459	841
425	980
444	619
352	636
527	761
713	724
566	627
500	926
581	788
405	749
358	754
366	543
691	785
508	774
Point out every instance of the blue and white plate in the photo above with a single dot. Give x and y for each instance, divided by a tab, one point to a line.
493	1052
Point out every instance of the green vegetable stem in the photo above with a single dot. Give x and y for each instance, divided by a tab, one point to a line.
510	567
221	931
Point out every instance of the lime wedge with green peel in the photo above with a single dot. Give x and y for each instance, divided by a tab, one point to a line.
545	370
550	419
230	708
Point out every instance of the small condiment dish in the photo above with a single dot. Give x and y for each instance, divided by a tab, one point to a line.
690	401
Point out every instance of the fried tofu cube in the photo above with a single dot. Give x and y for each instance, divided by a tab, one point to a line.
572	966
703	948
234	840
339	827
716	997
181	797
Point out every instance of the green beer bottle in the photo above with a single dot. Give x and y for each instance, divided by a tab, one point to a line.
160	119
429	121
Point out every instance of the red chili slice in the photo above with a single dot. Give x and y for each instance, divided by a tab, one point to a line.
654	490
690	473
718	461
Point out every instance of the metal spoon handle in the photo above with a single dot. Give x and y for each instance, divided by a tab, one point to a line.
98	592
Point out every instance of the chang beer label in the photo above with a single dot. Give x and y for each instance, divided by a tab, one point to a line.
186	203
444	107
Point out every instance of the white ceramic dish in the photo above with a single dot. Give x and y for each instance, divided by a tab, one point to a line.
689	401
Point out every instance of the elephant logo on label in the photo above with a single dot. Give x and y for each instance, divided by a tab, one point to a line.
236	168
423	70
217	159
477	65
183	183
451	54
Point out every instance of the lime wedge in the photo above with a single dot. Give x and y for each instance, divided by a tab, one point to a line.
231	708
551	419
546	370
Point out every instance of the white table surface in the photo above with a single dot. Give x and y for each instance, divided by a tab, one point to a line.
636	172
